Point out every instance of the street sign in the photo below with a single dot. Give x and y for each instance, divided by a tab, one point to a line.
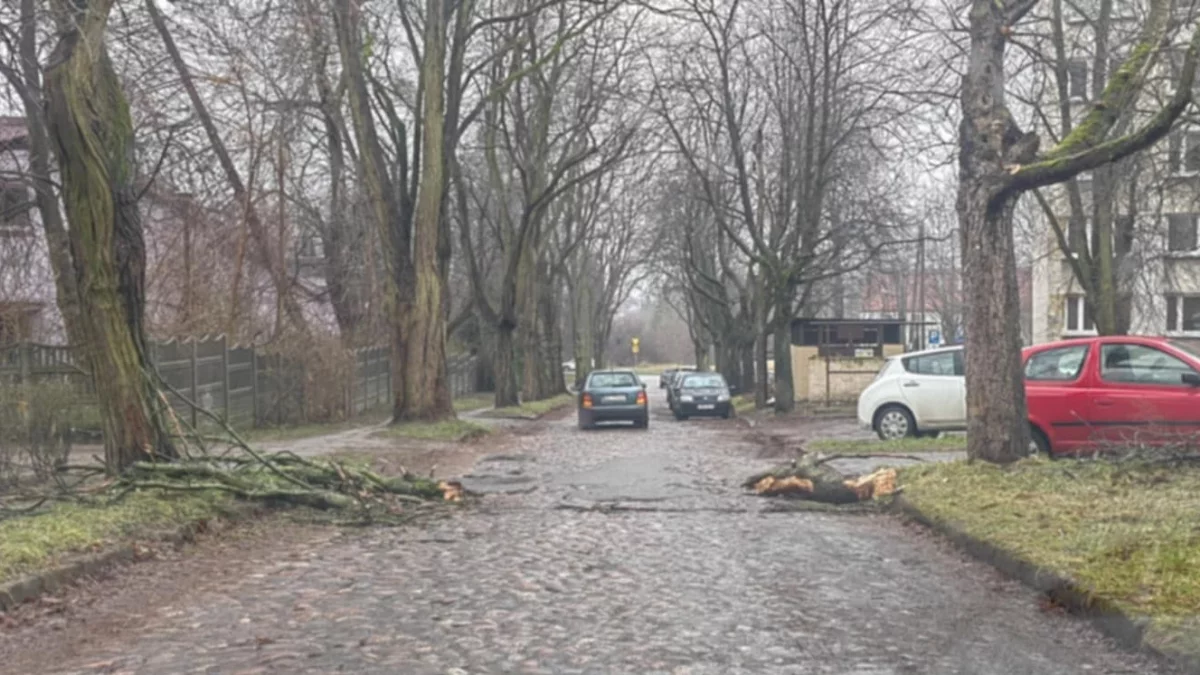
635	342
935	338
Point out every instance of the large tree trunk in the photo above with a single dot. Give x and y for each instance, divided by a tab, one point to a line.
93	134
427	391
507	388
761	392
997	430
581	309
552	373
748	374
785	393
531	348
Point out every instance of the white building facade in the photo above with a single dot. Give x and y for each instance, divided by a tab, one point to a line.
1156	210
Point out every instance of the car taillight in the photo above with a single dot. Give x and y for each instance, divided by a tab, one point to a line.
641	398
587	400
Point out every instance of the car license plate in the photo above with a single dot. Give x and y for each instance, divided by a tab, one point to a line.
613	399
705	406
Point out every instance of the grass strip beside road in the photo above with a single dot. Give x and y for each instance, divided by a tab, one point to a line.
36	542
866	446
534	408
1126	533
446	430
474	402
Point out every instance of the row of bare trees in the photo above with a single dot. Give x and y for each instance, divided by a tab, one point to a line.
781	129
506	173
435	174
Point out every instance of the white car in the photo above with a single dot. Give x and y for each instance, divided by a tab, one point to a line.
916	394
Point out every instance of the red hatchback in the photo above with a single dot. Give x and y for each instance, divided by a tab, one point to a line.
1091	393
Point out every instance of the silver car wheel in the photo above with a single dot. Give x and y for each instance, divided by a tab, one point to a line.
893	425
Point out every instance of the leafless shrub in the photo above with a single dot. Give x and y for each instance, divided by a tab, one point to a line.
35	429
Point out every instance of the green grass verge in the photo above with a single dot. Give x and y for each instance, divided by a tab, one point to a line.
743	404
31	543
1126	533
474	402
852	446
447	430
535	408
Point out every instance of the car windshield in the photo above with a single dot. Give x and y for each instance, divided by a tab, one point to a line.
613	380
703	381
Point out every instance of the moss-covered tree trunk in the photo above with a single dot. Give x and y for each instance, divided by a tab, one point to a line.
997	162
426	387
92	131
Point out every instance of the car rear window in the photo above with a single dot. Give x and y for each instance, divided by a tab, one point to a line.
612	380
1061	364
941	363
703	381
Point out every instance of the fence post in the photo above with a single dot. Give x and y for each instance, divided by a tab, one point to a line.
24	358
225	370
253	387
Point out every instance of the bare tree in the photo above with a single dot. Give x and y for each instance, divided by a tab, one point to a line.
998	161
92	131
783	102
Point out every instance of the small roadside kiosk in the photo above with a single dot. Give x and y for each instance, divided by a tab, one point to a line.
833	360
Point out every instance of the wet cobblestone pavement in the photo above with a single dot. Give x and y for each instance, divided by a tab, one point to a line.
616	551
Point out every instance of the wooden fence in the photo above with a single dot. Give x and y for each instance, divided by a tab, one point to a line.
243	385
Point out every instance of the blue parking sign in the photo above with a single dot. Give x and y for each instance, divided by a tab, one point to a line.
935	337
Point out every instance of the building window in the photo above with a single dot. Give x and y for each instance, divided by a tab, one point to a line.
1181	232
1077	71
1183	152
1183	313
14	208
1079	315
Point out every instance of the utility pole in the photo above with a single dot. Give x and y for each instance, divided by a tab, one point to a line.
921	279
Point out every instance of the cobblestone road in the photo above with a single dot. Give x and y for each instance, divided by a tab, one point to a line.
616	551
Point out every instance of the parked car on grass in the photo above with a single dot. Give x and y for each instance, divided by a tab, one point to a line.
702	394
613	395
1083	395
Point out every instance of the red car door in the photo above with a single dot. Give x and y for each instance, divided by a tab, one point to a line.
1057	386
1144	395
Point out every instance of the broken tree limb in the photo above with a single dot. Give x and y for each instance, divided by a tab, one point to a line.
811	478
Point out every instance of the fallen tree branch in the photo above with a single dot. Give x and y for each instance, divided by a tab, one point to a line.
811	478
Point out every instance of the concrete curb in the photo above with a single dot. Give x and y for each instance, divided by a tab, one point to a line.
1126	630
14	593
